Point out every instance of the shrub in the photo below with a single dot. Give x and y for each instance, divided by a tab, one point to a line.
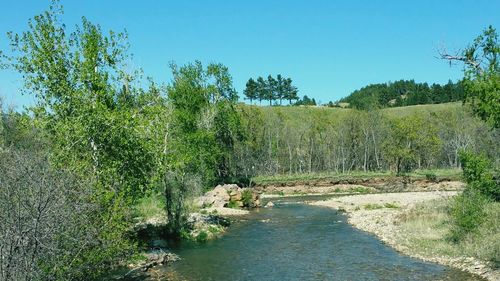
178	188
232	204
214	230
202	237
431	177
55	225
246	197
485	242
478	174
467	213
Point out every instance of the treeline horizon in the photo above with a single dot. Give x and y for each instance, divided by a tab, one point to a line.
404	93
379	95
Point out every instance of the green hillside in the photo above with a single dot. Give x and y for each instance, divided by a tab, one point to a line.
301	113
404	93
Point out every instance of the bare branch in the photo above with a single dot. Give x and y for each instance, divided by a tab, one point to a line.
475	64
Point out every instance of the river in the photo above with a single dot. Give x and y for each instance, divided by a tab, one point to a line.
295	241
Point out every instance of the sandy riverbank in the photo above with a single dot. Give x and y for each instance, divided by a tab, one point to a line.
380	214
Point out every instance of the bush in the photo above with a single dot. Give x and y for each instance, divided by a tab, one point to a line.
485	242
467	213
55	225
431	177
232	204
178	188
246	197
202	237
478	174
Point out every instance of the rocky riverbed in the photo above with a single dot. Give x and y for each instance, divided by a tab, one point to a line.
380	214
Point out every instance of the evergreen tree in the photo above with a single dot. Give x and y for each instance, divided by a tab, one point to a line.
261	89
272	86
290	91
251	90
280	88
306	101
404	93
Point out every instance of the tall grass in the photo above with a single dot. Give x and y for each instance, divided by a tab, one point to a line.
426	230
151	206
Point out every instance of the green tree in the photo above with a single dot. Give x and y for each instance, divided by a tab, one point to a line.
412	138
482	75
478	174
262	89
482	91
290	91
280	88
251	90
306	101
201	135
77	84
86	109
272	86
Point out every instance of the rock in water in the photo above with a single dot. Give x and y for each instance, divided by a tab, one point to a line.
269	205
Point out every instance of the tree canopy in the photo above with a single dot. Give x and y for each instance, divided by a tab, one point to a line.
403	93
482	75
271	89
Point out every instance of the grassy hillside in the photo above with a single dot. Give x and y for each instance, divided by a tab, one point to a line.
335	111
304	112
422	109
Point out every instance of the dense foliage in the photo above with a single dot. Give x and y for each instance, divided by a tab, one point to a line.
203	128
271	89
289	140
403	93
482	76
482	88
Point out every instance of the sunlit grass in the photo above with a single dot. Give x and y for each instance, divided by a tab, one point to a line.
454	174
426	228
419	109
150	206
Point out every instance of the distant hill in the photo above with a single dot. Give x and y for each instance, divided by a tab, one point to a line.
303	114
403	93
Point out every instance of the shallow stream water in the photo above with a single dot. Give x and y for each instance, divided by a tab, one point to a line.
296	241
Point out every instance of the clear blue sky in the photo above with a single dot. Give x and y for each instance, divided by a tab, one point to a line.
329	48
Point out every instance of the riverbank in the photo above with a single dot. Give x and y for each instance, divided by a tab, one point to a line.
359	182
390	216
383	179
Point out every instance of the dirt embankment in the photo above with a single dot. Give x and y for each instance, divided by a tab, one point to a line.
380	214
361	185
